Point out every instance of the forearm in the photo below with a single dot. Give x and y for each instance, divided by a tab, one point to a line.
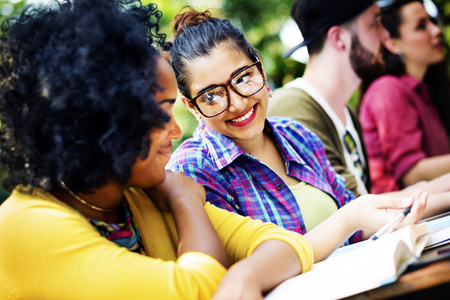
196	233
435	186
271	263
427	169
330	234
437	204
284	263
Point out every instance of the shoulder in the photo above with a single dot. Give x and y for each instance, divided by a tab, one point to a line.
192	151
384	86
289	92
294	131
386	80
38	210
290	95
295	103
381	94
40	222
287	124
38	201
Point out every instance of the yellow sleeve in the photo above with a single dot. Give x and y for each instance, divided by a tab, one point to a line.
242	235
49	251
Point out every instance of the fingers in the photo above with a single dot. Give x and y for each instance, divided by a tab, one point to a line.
418	197
419	203
385	202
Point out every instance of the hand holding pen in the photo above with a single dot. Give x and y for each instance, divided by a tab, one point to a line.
393	223
389	227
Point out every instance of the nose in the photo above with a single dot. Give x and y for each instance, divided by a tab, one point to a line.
383	33
435	29
175	130
237	102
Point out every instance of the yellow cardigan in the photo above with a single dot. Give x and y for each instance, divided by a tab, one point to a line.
50	251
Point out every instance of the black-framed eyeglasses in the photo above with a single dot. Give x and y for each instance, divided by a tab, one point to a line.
216	99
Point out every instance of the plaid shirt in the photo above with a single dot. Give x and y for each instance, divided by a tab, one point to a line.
239	182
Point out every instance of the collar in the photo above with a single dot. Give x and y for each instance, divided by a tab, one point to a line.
223	151
305	85
411	82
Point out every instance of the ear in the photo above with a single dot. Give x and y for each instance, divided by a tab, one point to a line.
191	107
339	38
393	45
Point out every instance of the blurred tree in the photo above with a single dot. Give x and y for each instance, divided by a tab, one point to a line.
10	7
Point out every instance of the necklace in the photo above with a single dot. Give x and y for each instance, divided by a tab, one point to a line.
87	203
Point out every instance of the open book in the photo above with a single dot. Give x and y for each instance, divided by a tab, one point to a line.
373	264
440	230
438	246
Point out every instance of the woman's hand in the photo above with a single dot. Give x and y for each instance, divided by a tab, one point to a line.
239	283
176	188
368	213
270	264
371	212
185	199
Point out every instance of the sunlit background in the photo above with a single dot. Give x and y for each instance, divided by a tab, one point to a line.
266	24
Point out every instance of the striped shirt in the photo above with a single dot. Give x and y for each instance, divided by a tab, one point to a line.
239	182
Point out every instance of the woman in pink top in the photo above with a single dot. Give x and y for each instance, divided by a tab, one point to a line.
405	113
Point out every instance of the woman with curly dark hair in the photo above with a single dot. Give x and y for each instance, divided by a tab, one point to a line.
405	114
86	128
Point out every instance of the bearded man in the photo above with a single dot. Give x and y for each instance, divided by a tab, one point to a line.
343	38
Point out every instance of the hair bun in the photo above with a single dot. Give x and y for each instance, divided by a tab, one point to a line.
190	17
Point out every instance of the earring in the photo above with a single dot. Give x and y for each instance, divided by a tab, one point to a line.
269	91
198	117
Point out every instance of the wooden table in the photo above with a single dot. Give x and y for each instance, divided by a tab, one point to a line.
429	283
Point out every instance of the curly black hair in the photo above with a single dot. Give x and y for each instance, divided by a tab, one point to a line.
77	82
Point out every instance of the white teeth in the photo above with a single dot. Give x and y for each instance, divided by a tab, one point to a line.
245	117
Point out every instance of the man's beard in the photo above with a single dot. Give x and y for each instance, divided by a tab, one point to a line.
365	64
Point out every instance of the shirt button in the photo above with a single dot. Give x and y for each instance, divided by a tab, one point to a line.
279	186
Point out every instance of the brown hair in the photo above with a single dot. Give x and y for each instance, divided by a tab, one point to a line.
196	34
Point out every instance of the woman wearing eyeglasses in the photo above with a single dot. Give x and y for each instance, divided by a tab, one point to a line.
86	130
271	169
405	114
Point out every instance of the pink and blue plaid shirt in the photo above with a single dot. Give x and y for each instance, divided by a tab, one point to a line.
239	182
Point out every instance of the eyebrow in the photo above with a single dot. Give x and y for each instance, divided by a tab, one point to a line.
214	85
171	101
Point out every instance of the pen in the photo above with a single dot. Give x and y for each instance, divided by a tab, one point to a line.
390	226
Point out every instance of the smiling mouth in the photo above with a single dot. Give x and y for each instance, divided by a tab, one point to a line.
244	117
166	150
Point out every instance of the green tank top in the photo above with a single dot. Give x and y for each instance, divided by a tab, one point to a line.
315	205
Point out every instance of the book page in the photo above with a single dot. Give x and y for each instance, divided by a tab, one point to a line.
404	233
369	266
438	238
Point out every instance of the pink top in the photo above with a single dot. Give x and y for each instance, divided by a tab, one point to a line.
401	126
